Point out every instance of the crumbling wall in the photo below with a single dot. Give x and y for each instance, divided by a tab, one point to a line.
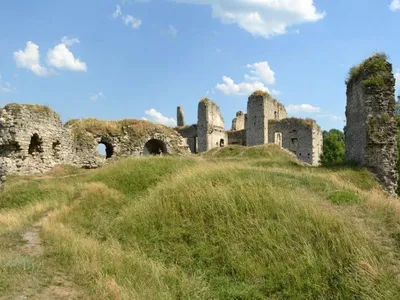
274	109
257	121
32	140
237	137
239	122
121	139
371	131
190	134
210	126
180	116
302	137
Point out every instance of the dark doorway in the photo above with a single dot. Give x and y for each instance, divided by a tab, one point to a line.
222	143
155	147
105	149
36	145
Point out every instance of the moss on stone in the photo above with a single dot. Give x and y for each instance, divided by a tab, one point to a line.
376	69
377	128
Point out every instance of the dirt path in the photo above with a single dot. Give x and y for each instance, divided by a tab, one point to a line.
59	287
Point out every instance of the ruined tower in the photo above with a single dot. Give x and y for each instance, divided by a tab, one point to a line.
210	126
371	131
180	117
261	107
239	123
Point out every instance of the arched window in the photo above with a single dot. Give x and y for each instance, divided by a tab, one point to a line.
222	143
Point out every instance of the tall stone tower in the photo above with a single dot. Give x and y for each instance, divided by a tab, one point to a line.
180	117
210	126
371	131
257	119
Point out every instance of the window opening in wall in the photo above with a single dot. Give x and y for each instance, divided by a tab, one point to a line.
222	143
36	145
278	138
155	147
294	145
105	149
276	115
56	149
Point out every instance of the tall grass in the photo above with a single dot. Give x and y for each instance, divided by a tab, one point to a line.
234	223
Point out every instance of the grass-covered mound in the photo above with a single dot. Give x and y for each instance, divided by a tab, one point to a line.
234	223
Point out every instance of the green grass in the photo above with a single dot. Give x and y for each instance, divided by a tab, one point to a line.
232	223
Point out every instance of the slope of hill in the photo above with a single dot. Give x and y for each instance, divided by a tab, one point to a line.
234	223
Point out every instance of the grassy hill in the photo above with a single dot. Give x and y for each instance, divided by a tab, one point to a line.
234	223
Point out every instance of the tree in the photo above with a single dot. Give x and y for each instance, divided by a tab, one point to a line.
333	148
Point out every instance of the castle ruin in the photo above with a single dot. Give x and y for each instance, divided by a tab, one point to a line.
371	130
33	138
266	121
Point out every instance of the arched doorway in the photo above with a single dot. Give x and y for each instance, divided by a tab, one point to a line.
222	143
36	145
155	147
105	149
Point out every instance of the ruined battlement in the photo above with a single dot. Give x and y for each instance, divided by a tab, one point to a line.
371	130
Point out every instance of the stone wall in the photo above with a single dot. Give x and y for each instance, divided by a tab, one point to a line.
180	116
239	122
190	134
32	140
257	121
261	107
237	137
302	137
371	131
123	138
210	126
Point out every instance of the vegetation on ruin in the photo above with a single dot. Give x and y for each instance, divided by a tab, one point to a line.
15	109
84	129
259	93
233	223
307	122
377	70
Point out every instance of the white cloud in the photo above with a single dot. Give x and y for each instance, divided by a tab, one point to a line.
397	76
62	58
262	74
230	87
330	117
157	117
264	18
276	92
395	5
97	96
126	19
70	41
30	59
6	86
263	71
302	108
171	31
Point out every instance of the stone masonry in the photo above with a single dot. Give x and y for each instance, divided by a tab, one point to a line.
180	117
371	131
210	126
33	140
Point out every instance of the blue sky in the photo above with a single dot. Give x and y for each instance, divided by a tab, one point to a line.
134	59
